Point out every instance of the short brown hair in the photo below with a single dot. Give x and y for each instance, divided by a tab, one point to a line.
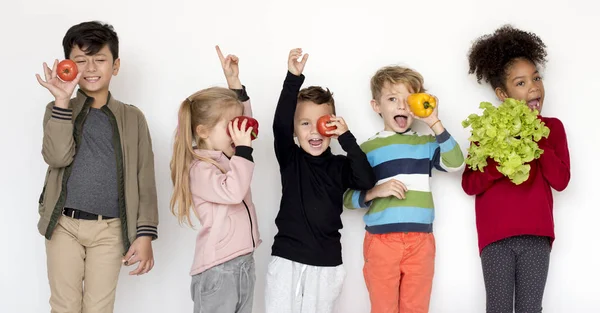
317	95
396	75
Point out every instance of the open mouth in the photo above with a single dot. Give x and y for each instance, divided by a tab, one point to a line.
315	143
92	79
401	120
534	104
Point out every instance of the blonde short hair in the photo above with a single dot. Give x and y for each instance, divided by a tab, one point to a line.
396	75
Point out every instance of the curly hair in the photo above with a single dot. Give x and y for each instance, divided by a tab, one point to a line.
492	55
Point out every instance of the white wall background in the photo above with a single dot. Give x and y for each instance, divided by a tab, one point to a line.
167	53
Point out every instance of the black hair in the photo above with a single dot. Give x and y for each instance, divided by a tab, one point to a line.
90	37
492	55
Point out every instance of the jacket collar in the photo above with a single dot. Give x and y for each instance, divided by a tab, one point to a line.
211	154
81	98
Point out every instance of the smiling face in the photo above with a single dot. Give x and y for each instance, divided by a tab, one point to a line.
523	82
305	126
97	69
393	108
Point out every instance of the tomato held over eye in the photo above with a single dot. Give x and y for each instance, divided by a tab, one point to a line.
250	123
322	126
66	70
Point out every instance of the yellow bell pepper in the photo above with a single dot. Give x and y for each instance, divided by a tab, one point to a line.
421	104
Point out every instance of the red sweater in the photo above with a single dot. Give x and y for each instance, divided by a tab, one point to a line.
504	209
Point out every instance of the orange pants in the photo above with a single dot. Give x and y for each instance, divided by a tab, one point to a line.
399	271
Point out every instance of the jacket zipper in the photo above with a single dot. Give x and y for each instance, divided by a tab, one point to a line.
120	178
251	227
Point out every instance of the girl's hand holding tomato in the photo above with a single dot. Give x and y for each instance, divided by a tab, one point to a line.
250	122
331	126
61	90
241	136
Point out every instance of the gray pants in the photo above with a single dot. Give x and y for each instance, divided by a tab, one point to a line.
515	271
225	288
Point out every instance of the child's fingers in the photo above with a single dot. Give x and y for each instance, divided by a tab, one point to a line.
133	260
146	267
151	266
127	258
220	54
333	123
304	59
139	269
244	123
227	62
232	130
47	72
399	191
43	83
339	120
53	73
397	194
76	80
402	185
296	53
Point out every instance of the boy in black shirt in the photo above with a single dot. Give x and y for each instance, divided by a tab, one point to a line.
306	271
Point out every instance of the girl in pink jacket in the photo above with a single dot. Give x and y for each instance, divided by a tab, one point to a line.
211	169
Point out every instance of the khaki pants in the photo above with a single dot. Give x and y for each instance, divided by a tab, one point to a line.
84	252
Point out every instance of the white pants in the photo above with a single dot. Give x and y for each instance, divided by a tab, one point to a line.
293	287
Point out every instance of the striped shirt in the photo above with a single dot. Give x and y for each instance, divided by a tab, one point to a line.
410	159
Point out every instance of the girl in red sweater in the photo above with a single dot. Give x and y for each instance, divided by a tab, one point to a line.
515	223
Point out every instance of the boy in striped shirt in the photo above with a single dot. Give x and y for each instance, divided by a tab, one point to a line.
399	247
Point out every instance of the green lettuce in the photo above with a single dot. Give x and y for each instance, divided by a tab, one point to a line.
508	134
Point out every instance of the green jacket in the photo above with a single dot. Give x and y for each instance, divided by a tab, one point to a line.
135	165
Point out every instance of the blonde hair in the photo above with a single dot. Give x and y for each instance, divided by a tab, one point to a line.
396	75
205	107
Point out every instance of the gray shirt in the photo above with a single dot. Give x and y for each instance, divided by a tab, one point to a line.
92	186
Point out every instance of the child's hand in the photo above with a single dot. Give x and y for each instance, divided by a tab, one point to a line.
238	135
140	251
340	125
391	187
294	66
61	90
231	69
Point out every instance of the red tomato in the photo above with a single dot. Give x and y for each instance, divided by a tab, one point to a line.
251	123
66	70
322	125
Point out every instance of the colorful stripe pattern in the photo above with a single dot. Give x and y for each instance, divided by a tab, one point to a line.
409	158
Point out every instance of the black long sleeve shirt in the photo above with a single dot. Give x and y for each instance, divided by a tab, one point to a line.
309	219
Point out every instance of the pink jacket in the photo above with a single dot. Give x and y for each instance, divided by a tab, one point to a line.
223	203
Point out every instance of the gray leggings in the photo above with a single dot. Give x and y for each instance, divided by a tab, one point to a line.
515	268
225	288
